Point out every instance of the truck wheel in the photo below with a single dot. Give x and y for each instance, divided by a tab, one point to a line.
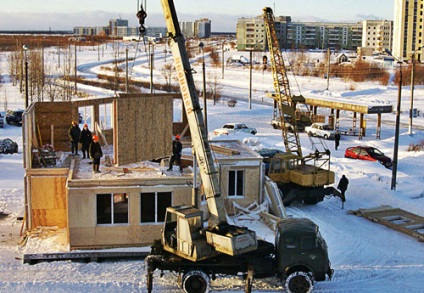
299	282
310	133
195	282
325	136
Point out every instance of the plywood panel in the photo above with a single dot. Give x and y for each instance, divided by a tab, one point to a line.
49	217
48	192
141	130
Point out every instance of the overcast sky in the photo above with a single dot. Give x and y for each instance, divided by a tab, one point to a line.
65	14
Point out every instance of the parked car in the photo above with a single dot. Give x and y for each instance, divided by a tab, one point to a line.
320	129
232	128
14	116
368	154
8	146
1	121
276	124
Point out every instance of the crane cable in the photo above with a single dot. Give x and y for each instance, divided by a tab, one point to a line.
141	15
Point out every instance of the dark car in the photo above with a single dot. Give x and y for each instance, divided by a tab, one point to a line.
8	146
14	116
368	154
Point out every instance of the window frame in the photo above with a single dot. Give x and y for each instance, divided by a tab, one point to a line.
112	209
236	183
157	219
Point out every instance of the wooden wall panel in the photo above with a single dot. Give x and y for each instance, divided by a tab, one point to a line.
48	201
143	127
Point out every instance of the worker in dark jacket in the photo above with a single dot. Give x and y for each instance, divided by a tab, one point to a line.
343	183
74	136
177	147
85	139
96	153
337	139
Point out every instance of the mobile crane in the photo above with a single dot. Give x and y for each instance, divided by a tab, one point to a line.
296	177
197	253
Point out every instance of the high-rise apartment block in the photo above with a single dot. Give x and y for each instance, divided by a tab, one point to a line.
377	34
295	35
200	28
408	29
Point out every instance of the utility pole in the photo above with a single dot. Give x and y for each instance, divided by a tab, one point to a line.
75	68
223	59
328	68
126	71
411	109
250	80
24	50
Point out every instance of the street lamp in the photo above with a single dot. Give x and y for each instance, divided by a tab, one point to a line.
152	43
396	146
201	46
25	49
222	50
412	89
250	74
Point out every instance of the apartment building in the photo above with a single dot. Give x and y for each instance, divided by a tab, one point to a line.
187	28
377	34
295	35
251	34
202	28
408	29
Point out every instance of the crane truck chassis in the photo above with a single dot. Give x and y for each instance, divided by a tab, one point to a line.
299	256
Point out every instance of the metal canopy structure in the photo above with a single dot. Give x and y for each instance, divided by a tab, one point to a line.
356	107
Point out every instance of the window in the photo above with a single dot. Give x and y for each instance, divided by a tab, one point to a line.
236	183
112	208
153	206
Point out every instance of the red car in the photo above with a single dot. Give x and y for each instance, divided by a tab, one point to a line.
368	154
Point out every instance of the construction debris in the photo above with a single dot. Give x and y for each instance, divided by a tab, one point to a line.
396	219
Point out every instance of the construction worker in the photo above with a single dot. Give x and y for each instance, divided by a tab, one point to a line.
176	153
343	183
96	153
85	139
74	136
337	139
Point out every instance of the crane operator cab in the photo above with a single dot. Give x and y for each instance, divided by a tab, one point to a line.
183	234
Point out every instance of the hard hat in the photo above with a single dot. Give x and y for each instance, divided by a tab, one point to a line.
95	137
85	125
73	122
177	137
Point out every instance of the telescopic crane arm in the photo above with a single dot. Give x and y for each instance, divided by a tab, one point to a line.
195	118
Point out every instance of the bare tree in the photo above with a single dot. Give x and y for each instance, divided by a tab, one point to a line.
214	86
167	71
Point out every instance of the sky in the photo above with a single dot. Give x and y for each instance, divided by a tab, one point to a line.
65	14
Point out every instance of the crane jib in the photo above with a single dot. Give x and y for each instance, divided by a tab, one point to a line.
185	92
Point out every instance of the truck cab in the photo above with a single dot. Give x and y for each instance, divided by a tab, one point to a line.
301	253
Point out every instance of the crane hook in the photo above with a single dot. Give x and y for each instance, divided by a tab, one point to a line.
141	15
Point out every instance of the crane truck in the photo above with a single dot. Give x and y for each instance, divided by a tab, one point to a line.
197	253
300	178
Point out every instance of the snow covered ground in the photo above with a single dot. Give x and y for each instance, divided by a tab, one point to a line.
366	257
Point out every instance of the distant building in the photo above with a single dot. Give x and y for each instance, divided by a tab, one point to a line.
187	28
202	28
156	32
250	33
377	34
116	27
408	32
296	35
